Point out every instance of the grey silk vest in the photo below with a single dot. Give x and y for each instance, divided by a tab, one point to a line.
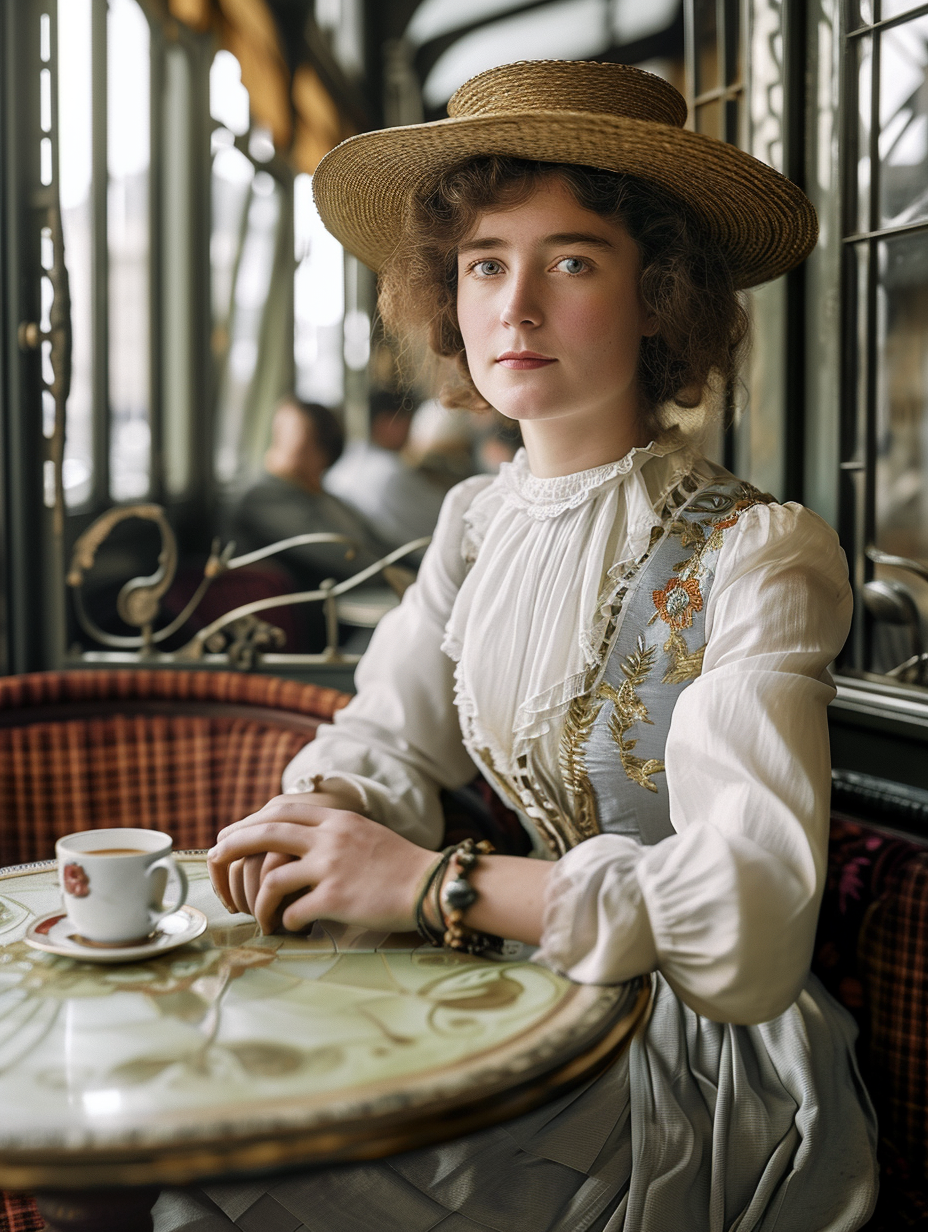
612	752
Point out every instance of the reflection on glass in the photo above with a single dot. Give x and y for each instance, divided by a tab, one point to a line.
229	104
565	30
892	8
128	236
902	406
431	18
904	122
864	108
705	35
249	301
318	302
708	119
74	178
632	20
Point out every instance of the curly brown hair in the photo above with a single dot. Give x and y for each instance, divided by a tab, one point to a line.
685	280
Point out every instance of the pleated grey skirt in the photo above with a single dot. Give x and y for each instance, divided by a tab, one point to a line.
700	1127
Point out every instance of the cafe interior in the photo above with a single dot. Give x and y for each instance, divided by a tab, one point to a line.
167	291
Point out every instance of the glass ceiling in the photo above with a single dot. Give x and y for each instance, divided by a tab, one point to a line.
561	30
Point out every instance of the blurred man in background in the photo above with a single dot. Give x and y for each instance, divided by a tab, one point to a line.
289	499
373	477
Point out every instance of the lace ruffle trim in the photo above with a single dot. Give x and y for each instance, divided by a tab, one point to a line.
549	497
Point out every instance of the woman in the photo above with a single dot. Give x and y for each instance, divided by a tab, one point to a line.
630	643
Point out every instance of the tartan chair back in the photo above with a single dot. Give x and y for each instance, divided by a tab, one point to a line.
186	752
872	954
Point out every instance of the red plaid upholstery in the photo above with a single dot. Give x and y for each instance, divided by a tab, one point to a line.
19	1214
185	752
872	953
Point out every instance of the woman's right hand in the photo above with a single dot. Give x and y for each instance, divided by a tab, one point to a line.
245	876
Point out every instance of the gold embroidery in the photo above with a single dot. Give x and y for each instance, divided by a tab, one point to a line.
683	664
628	709
572	760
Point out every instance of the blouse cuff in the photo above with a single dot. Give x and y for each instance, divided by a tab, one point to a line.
596	928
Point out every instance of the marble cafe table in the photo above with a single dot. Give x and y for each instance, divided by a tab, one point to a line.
239	1054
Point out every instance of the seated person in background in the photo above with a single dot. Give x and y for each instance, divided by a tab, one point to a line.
373	477
289	499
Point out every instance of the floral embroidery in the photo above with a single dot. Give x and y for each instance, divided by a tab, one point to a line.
677	602
75	881
627	710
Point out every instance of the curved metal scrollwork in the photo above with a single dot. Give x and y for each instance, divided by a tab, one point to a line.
238	633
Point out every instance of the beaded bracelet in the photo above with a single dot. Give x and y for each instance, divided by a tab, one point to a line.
458	895
433	878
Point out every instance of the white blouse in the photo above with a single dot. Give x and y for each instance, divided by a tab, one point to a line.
484	654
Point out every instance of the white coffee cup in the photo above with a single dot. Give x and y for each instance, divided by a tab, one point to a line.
113	883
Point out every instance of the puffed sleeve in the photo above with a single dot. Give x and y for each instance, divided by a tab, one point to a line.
726	908
399	740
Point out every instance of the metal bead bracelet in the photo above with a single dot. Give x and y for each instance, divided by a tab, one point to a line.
458	895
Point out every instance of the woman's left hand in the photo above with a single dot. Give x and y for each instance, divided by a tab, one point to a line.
341	866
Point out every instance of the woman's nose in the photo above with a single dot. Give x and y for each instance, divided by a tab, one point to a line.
522	306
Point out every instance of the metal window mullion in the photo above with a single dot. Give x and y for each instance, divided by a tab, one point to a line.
689	59
156	241
100	494
900	19
885	233
205	370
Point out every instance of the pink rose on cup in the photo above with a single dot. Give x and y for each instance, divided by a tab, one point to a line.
76	881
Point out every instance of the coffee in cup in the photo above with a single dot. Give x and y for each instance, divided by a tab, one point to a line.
113	883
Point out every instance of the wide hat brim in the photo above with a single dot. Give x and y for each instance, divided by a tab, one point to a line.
764	224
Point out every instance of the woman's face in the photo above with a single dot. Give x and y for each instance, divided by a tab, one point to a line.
549	310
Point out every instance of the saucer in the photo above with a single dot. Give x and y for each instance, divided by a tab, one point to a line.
53	933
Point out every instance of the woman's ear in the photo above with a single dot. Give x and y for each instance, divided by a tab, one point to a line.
649	325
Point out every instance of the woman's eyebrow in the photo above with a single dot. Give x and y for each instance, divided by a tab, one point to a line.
550	241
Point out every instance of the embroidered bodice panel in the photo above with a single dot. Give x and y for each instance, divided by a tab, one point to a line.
543	556
569	558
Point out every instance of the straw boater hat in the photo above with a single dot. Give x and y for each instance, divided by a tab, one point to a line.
610	116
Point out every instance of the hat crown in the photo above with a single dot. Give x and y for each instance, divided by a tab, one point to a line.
570	85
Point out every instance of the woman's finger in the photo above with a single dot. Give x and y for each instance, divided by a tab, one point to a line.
283	836
281	882
305	910
237	886
219	876
306	808
251	878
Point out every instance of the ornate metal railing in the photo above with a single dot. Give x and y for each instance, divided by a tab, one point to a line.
239	636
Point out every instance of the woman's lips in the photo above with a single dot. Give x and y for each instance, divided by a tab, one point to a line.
520	360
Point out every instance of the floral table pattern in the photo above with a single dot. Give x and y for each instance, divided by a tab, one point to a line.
241	1037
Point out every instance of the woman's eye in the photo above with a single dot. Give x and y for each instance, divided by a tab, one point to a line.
572	265
487	268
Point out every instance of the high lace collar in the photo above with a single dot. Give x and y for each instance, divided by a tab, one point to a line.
547	497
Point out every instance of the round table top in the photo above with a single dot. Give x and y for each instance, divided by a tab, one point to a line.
240	1052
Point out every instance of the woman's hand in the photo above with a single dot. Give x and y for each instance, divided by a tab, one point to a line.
239	888
337	865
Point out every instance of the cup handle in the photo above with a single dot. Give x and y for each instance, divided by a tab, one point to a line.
169	864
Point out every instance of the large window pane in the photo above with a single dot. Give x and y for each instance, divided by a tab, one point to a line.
904	122
706	50
75	169
249	302
318	302
902	406
128	232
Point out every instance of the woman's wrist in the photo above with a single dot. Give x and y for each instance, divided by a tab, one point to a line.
510	902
